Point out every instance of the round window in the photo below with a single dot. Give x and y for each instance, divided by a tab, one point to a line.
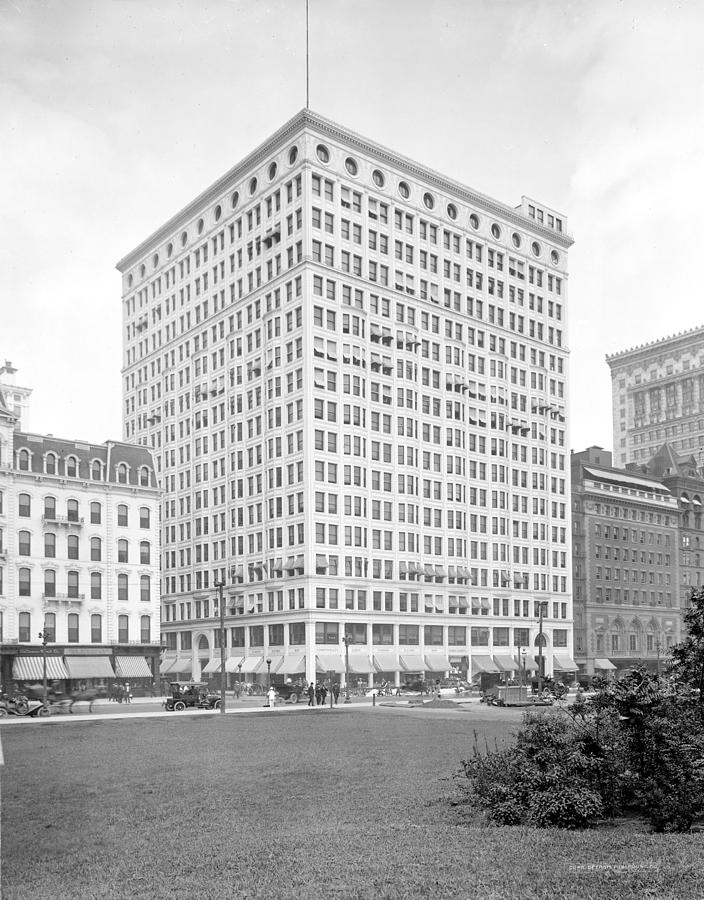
452	211
535	247
474	221
378	178
201	226
184	238
516	239
351	166
323	153
404	190
272	171
218	212
252	186
292	155
235	199
429	200
555	257
495	231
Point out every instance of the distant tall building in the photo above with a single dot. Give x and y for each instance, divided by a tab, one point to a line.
625	565
658	397
79	558
352	371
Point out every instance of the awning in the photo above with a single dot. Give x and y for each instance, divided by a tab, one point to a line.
451	572
360	664
429	571
530	662
231	663
463	602
439	606
403	568
564	663
413	662
604	664
276	663
212	665
483	663
31	668
299	562
132	667
440	572
437	662
387	662
505	662
330	662
174	666
89	667
485	603
290	563
293	664
252	664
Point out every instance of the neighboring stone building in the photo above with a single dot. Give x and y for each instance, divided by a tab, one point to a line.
658	397
625	565
352	371
79	558
683	477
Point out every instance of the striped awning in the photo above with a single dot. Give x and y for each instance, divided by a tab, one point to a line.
564	663
31	668
89	667
213	665
132	667
330	662
529	660
231	663
252	664
293	664
506	662
437	662
360	664
413	662
176	666
482	662
604	664
387	662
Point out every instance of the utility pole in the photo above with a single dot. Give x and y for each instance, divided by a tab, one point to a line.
220	585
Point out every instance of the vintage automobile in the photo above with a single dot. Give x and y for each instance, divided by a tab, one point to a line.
191	694
290	692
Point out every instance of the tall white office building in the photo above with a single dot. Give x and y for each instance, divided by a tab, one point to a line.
352	372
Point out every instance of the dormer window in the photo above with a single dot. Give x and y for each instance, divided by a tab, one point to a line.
122	473
71	466
23	460
96	470
50	464
144	476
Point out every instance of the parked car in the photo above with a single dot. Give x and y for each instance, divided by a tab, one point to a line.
290	691
191	694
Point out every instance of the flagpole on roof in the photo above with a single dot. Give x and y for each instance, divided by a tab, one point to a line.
307	62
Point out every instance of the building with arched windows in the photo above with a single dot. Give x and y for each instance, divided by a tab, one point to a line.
79	558
352	371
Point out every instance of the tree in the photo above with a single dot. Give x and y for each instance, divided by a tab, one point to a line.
687	663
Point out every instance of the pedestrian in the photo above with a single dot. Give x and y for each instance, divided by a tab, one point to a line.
271	695
128	692
336	691
323	694
318	694
311	694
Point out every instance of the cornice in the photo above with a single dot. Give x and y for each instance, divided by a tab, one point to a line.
661	344
306	119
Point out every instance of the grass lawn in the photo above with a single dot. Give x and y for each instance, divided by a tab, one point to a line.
302	804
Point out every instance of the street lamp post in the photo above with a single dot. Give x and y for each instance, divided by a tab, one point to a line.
268	673
346	639
43	637
221	605
541	603
239	676
523	659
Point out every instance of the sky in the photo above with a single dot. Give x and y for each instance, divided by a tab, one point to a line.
116	113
